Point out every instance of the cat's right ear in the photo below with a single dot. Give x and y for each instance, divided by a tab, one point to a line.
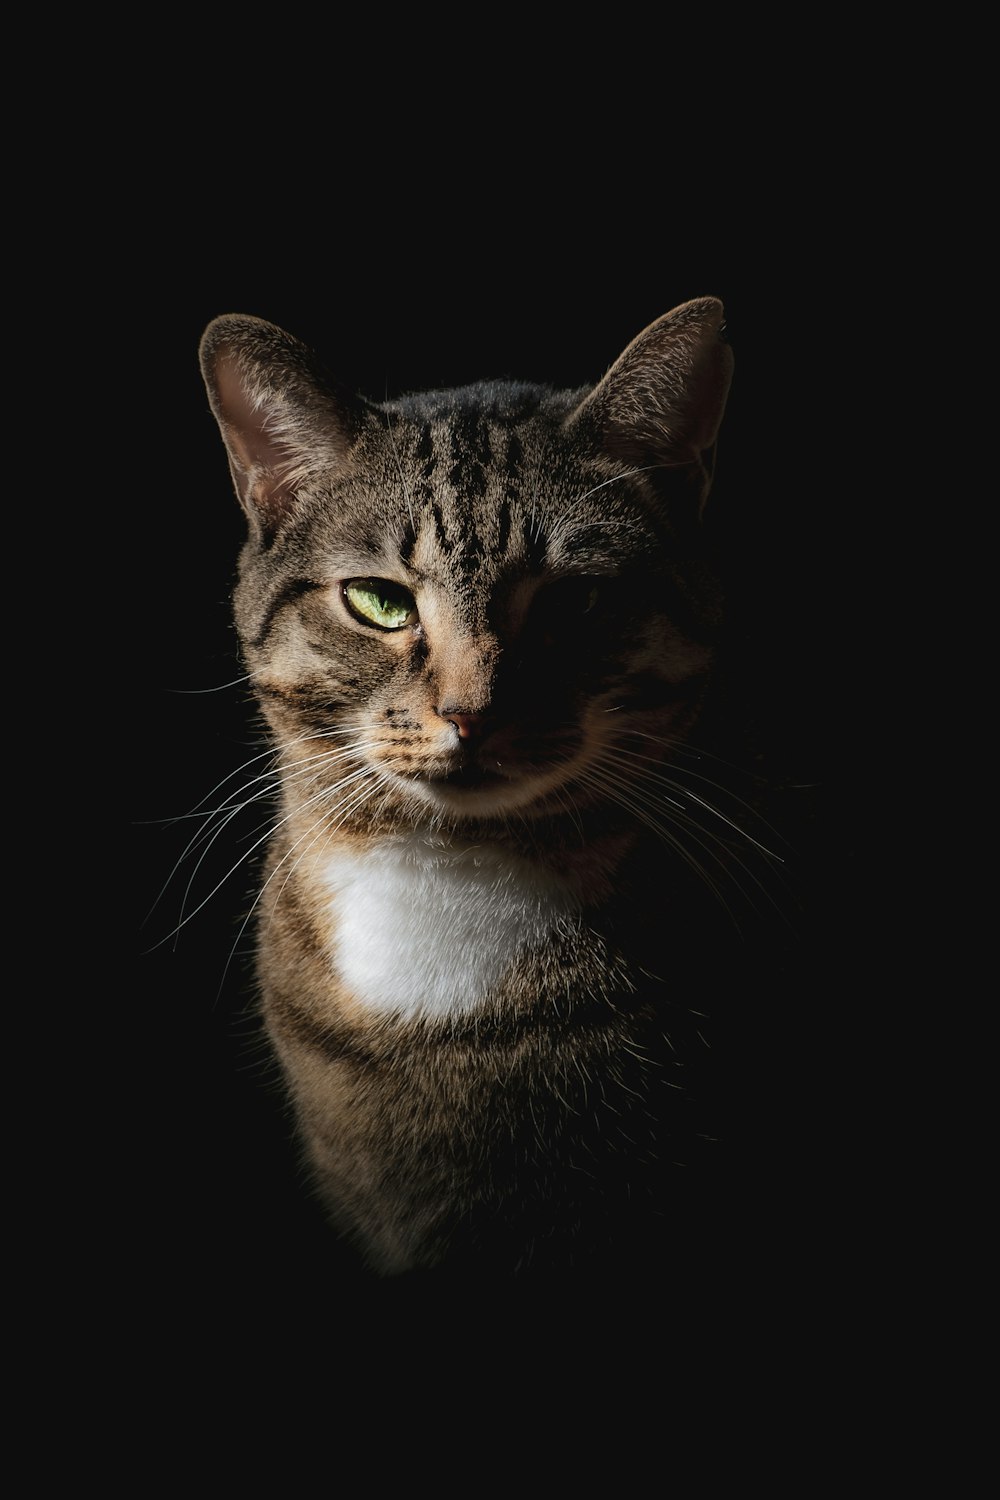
660	405
282	419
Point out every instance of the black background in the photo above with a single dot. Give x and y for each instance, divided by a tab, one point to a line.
399	301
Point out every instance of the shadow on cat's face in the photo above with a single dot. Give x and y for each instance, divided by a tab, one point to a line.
489	659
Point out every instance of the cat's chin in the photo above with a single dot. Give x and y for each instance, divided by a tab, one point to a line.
475	793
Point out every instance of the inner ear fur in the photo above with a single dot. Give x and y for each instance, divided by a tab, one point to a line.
281	416
662	401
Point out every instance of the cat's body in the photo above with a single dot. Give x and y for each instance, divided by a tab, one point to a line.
481	625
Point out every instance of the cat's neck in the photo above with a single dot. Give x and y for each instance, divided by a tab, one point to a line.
426	925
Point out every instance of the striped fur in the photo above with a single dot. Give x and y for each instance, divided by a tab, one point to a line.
494	886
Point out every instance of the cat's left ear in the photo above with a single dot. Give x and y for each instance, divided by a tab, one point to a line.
283	419
660	405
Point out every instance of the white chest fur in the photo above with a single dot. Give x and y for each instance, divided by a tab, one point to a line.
427	929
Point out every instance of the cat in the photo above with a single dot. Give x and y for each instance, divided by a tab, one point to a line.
482	626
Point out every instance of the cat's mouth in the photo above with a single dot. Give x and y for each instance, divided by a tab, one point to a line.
477	791
473	781
472	789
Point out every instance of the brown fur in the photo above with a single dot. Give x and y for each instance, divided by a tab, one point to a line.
517	754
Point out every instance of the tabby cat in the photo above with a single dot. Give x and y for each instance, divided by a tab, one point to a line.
481	625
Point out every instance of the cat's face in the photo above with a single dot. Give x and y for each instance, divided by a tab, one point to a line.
485	655
461	606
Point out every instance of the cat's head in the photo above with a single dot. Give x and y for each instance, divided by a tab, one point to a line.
462	604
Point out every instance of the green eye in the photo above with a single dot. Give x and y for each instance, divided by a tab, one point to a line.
378	602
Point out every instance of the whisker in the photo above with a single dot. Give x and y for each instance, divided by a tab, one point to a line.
209	837
702	802
325	827
717	786
645	789
620	790
273	779
269	749
194	692
617	479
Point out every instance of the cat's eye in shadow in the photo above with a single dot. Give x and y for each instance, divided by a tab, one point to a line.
576	596
565	604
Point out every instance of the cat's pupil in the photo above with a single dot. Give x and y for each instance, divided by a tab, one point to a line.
376	601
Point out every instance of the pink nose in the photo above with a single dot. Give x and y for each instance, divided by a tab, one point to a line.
469	726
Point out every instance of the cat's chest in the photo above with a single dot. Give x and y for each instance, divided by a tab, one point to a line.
424	929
